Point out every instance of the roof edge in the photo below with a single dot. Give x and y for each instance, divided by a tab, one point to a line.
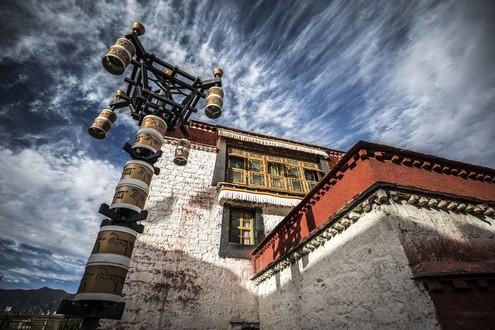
363	150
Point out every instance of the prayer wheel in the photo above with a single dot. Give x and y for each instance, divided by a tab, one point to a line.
182	152
107	265
130	194
103	278
138	170
156	123
149	139
118	56
214	102
102	124
115	239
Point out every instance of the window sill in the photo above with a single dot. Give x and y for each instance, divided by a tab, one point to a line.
235	250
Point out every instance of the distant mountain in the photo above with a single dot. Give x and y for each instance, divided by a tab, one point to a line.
32	301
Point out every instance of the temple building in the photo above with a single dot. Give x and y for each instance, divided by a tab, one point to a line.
258	232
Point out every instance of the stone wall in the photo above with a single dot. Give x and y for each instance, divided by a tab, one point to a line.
359	279
176	279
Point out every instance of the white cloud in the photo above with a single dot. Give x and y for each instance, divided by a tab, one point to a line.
50	200
256	98
388	73
439	94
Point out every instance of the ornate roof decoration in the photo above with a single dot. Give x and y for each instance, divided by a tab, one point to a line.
202	126
270	142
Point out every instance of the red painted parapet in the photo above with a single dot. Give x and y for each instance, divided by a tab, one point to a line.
365	165
201	133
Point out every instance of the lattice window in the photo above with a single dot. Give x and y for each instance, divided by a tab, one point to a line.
312	177
236	171
296	185
293	172
274	172
241	226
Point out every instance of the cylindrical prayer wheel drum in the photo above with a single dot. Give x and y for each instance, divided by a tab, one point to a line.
102	280
214	102
118	56
217	90
127	44
102	124
115	239
130	194
138	170
108	264
148	138
182	152
156	123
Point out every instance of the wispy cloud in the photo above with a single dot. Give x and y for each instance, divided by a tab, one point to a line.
53	197
49	201
438	94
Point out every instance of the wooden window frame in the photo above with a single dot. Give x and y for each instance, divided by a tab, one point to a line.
267	179
229	249
242	228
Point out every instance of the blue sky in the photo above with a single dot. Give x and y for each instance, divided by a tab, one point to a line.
413	74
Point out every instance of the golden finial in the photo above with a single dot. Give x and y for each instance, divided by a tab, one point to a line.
217	73
119	93
138	28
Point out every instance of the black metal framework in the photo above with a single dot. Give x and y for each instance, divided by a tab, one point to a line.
156	87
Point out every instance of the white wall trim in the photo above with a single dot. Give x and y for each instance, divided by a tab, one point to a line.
342	221
260	198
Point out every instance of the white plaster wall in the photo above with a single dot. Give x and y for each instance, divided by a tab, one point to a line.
360	279
272	215
176	279
438	235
